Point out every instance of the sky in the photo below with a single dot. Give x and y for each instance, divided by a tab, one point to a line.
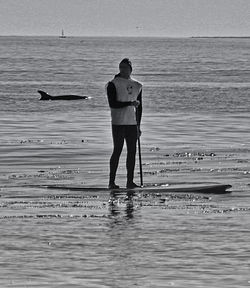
163	18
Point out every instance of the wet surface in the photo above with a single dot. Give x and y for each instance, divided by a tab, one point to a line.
165	237
195	129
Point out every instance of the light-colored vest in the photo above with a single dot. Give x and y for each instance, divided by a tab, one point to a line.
126	90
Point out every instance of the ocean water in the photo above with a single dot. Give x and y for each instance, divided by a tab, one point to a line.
195	129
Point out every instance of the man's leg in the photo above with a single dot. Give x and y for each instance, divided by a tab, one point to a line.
118	141
131	139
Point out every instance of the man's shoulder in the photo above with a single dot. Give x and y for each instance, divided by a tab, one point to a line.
123	80
116	80
136	81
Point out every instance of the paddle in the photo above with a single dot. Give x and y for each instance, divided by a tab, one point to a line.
139	148
140	162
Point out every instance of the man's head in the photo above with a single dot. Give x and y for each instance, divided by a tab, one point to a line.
125	67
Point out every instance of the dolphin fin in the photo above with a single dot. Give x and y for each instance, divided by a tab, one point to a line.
44	95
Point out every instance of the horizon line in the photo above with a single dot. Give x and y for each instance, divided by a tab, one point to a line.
126	36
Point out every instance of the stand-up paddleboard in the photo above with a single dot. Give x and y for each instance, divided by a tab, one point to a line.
206	189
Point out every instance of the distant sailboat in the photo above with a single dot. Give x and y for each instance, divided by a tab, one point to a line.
62	35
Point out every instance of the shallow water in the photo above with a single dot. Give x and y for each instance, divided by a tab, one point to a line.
195	130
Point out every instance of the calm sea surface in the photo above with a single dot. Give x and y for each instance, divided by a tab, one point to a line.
196	101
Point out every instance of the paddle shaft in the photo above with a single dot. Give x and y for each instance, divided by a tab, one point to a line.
139	147
140	162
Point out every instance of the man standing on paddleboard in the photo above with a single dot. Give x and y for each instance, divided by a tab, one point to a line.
125	102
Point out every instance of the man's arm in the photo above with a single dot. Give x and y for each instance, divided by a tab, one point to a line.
113	103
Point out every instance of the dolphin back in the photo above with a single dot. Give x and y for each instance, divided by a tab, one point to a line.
44	95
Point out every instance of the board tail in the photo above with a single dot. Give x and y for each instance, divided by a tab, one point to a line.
44	95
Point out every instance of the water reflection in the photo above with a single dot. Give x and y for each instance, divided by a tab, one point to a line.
120	203
124	244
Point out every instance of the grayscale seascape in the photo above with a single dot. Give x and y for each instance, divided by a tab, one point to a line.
195	129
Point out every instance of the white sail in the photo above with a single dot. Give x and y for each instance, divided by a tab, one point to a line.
62	35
